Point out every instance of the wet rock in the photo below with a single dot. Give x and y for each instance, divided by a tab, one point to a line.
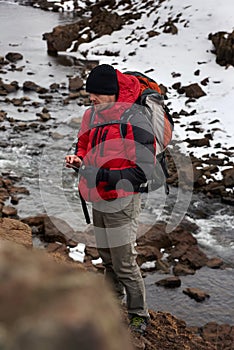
8	211
18	189
44	116
51	229
193	91
75	84
54	87
14	200
194	257
147	253
228	177
57	136
31	86
6	88
3	115
221	335
214	263
224	48
21	126
75	122
169	282
196	294
14	56
183	270
227	200
215	188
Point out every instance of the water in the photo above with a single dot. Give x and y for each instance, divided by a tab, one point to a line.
37	158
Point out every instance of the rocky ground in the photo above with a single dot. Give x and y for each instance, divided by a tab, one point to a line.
184	255
46	298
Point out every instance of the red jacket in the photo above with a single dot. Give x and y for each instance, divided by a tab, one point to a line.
129	157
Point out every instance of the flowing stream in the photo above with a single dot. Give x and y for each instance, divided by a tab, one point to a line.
37	159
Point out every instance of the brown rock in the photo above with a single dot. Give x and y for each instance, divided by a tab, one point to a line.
14	56
228	177
9	211
193	91
224	48
196	294
170	27
104	22
17	189
15	231
222	336
214	263
194	257
183	270
6	88
75	84
198	142
31	86
61	38
169	282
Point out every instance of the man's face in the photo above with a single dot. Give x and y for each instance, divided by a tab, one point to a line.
102	102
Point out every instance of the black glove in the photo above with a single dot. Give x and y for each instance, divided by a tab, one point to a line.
93	175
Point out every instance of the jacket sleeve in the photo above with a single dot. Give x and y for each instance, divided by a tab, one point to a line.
83	136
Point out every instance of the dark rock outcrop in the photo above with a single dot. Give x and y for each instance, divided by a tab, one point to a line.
224	47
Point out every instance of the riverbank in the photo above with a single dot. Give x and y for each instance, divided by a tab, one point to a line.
40	115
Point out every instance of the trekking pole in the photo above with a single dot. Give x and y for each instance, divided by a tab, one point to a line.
83	202
85	209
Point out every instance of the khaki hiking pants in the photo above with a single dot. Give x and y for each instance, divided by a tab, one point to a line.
115	226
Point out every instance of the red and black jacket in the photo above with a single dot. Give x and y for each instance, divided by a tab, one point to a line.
129	157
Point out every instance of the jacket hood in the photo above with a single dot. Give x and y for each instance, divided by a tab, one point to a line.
129	87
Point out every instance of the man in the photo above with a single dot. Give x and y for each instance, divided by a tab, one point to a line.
115	153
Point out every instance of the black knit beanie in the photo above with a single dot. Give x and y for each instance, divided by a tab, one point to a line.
102	80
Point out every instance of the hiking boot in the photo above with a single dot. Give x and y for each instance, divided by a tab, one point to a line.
138	324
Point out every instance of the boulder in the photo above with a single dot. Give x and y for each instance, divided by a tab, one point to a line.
193	91
194	258
202	142
169	282
214	263
15	231
228	177
9	211
14	56
62	37
75	84
224	47
45	305
31	86
183	270
196	294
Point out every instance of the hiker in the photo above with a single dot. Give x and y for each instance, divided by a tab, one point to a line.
114	160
